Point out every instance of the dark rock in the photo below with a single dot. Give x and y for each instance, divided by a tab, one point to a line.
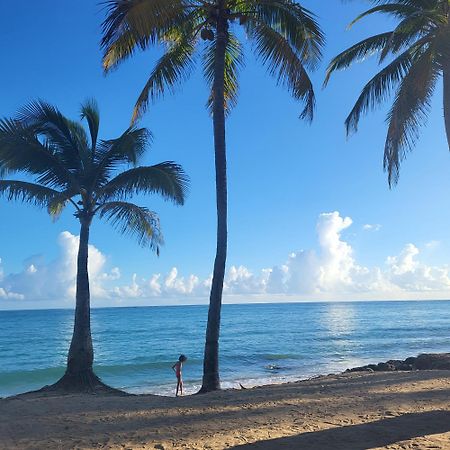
432	361
426	361
385	367
395	362
360	369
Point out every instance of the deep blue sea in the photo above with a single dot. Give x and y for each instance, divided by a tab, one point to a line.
260	343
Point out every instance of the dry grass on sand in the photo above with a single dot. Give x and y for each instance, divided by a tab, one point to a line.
395	410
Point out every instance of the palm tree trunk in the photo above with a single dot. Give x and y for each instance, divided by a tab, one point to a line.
81	352
211	379
79	373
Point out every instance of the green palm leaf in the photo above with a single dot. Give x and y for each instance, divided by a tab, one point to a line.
35	157
90	112
295	23
422	38
356	53
134	24
134	220
409	111
172	68
67	138
127	149
26	192
284	64
167	179
398	10
407	31
234	61
379	87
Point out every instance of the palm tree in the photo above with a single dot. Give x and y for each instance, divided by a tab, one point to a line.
286	39
69	166
420	49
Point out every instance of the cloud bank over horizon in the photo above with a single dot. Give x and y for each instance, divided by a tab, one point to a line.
328	272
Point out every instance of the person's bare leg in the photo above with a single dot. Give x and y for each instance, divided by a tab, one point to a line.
181	387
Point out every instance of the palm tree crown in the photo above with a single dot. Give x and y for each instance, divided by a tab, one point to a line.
72	167
285	37
420	50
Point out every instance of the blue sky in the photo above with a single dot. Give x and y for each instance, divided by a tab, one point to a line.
285	179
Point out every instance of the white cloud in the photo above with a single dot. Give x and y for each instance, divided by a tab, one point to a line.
56	280
372	227
328	272
10	295
432	245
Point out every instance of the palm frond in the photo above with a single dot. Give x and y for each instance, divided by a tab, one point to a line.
398	10
284	64
90	112
409	111
357	52
46	120
380	86
295	23
127	149
132	24
171	69
420	4
134	220
68	139
234	61
21	150
167	179
25	192
407	31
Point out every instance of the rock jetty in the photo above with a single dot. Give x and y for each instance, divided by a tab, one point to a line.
425	361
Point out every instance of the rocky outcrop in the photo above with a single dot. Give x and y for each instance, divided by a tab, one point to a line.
425	361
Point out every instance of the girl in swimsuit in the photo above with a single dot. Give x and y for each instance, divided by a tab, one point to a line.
177	369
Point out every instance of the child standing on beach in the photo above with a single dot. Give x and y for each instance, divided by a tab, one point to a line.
177	369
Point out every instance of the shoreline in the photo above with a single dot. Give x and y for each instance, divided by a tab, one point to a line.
353	410
423	361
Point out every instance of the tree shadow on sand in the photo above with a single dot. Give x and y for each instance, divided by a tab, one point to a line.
363	436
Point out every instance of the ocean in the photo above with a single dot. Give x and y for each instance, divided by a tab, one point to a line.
260	343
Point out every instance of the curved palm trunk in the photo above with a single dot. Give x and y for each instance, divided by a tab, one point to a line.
211	380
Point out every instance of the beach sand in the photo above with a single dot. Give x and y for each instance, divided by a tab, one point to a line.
393	410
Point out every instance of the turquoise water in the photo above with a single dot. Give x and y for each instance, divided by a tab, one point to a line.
136	347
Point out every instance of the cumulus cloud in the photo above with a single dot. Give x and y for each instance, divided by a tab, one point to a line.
40	280
328	271
7	294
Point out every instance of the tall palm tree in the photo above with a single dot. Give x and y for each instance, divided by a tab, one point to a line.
70	166
285	37
419	48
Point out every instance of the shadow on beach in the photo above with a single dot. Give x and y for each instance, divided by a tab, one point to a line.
399	406
363	436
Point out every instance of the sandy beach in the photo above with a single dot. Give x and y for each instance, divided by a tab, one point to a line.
395	410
